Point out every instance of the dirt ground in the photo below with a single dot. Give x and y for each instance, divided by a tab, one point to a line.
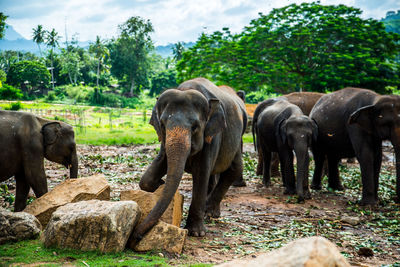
254	219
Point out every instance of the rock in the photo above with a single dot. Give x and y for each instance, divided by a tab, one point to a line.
92	225
147	200
350	220
311	252
71	190
16	226
162	236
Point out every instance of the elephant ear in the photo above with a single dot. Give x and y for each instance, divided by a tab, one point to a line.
314	130
51	131
362	117
280	124
216	120
281	131
156	123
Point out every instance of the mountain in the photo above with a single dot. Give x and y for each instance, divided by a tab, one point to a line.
392	21
15	41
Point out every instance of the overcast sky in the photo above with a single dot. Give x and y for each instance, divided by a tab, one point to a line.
173	20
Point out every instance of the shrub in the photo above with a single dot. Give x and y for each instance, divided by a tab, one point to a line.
14	106
9	92
32	71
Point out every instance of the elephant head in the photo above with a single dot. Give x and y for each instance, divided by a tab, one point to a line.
382	120
298	132
59	145
184	121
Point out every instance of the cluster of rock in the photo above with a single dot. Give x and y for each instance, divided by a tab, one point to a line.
78	214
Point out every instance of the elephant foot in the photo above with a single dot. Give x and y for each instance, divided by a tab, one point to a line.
368	202
213	211
289	191
300	199
316	186
275	173
267	183
239	182
307	195
196	229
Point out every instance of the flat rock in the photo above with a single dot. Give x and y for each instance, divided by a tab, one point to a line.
16	226
163	236
310	252
92	225
350	220
69	191
147	200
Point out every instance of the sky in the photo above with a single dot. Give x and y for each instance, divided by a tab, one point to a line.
173	20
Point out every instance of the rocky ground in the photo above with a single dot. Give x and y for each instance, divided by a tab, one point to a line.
256	219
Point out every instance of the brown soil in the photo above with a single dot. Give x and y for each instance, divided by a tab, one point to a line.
249	214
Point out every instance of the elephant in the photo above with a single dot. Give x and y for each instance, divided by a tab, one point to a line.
279	126
353	122
26	140
200	127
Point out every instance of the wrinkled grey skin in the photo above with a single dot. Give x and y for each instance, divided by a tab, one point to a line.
200	127
25	141
279	126
353	122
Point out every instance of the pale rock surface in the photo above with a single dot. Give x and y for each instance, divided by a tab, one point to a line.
16	226
69	191
92	225
308	252
162	236
147	200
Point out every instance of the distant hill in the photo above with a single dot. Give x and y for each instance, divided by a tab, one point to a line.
392	21
15	41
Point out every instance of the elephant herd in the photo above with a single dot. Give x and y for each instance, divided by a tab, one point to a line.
200	128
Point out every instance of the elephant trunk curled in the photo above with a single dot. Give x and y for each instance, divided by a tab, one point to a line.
177	147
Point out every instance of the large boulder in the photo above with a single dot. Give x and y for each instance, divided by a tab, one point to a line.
92	225
162	236
309	252
69	191
16	226
147	200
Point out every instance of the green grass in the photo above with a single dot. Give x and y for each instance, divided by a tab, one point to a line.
32	251
248	138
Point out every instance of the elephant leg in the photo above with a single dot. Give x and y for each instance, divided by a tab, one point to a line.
151	179
22	190
275	165
319	159
333	173
259	170
240	181
212	183
286	161
377	168
266	168
225	180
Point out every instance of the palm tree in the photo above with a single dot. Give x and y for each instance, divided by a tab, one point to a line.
38	36
52	41
101	51
178	50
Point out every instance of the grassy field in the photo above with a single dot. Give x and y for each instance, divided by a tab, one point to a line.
100	125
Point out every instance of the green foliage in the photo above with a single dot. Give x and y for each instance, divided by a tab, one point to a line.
79	93
33	251
70	65
163	80
3	76
309	46
2	24
14	106
34	72
9	92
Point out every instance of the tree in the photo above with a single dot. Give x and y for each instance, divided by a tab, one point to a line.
177	51
28	75
129	52
163	80
71	65
100	50
52	41
39	35
2	24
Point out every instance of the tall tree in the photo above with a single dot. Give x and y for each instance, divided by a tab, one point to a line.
100	50
2	24
129	52
39	35
52	41
177	51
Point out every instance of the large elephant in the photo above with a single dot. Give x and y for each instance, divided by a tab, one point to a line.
353	122
200	127
26	140
279	126
305	101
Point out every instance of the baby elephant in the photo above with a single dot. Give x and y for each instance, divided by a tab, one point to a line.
279	126
25	141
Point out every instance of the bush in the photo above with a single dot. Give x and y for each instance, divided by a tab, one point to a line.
9	92
113	100
32	71
80	93
51	96
14	106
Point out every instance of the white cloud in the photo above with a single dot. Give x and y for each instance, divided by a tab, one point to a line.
173	20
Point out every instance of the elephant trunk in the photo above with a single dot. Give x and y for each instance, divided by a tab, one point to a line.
302	171
177	149
73	171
